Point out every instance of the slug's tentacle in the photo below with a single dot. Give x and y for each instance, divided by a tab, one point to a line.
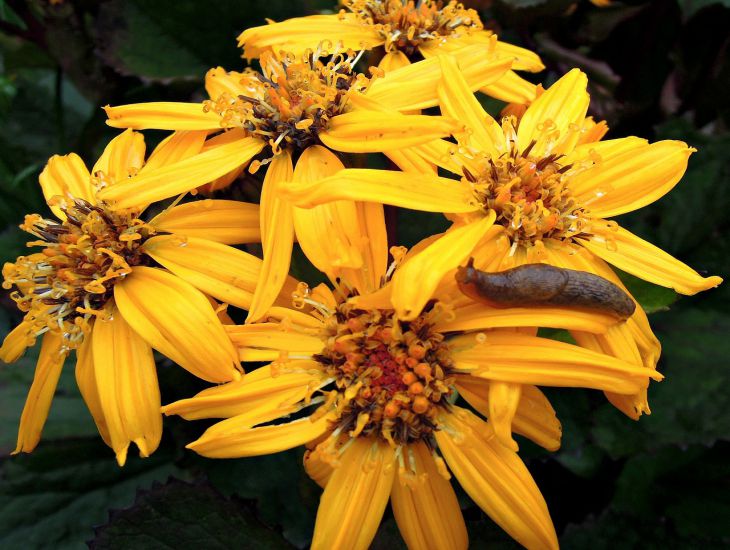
533	285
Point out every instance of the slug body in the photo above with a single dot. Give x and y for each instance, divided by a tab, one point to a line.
532	285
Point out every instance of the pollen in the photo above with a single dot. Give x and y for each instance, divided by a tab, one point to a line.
391	377
404	25
292	99
529	194
69	281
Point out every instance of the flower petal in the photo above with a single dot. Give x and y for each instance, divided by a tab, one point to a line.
224	272
177	320
259	441
559	110
416	280
633	179
511	88
222	221
630	253
513	357
277	237
16	342
365	131
425	192
496	479
425	505
183	176
162	115
475	316
414	86
66	176
86	380
40	395
457	101
176	147
393	60
275	338
301	33
219	81
354	500
122	157
275	387
534	418
126	380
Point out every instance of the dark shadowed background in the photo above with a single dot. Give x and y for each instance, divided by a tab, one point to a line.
659	69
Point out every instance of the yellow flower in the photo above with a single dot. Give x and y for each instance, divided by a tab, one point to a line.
550	193
405	29
376	398
289	110
112	286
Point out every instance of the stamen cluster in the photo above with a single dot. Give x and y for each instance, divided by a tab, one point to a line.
390	376
72	278
405	24
291	100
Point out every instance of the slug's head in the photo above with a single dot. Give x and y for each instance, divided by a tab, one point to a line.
467	274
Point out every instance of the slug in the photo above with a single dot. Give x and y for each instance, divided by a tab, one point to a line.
544	285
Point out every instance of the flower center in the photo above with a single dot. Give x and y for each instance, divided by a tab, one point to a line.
292	100
404	25
72	278
390	376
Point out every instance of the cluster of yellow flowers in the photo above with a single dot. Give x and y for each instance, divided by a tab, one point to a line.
367	371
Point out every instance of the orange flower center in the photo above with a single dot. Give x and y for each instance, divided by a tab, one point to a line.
70	280
292	100
390	376
404	25
530	197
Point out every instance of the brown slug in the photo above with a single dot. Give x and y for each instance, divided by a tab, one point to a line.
544	285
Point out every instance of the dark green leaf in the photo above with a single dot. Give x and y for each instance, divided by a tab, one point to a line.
184	515
52	497
651	297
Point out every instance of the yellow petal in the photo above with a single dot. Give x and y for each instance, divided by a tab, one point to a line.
476	316
602	151
354	500
425	505
122	157
40	395
16	342
409	160
555	115
496	479
301	33
274	337
126	379
162	115
176	147
425	192
511	88
259	441
222	221
183	176
266	385
86	380
416	280
534	418
364	131
177	320
415	86
219	81
224	272
371	218
631	180
513	357
66	176
319	469
641	258
522	58
394	60
277	237
504	398
457	101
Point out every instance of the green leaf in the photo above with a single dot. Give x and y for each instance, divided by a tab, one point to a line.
52	497
690	7
184	515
